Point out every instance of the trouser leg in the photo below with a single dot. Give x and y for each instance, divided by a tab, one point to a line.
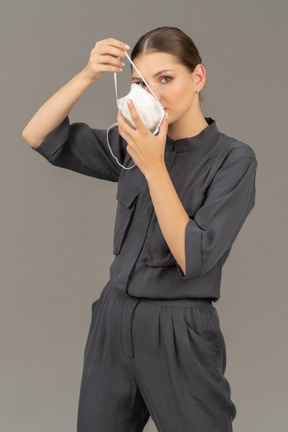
179	363
110	400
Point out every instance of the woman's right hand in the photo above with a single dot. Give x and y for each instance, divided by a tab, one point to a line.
104	58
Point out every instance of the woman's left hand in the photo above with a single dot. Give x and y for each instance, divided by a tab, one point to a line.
146	149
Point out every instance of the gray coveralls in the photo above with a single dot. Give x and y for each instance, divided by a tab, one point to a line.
155	346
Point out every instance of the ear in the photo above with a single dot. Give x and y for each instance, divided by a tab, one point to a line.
200	76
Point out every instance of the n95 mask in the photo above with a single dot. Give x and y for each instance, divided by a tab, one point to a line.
150	111
147	105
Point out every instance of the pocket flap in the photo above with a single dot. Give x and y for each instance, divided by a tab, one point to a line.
126	193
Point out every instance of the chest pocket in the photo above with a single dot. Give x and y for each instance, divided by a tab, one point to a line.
156	252
127	197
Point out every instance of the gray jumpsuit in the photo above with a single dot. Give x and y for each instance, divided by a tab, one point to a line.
155	346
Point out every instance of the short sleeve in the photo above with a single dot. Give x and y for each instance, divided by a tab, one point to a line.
215	225
80	148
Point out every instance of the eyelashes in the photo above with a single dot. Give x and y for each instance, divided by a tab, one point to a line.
164	82
170	79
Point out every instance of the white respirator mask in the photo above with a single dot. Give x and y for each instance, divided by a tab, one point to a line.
148	107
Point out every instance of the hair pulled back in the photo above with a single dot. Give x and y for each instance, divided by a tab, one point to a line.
170	40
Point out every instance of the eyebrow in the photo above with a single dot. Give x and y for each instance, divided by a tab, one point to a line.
158	73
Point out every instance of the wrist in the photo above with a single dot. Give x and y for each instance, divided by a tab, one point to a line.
84	75
156	172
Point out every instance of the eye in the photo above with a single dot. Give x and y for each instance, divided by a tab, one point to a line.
144	85
169	78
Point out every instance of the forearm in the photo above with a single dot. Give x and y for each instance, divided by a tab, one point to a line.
52	113
171	215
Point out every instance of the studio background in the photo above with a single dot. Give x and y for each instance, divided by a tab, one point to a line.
52	268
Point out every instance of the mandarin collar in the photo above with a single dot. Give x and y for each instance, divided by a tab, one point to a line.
206	138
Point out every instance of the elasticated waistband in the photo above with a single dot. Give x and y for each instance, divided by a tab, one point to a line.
193	302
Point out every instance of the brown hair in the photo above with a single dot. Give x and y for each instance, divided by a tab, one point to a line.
171	40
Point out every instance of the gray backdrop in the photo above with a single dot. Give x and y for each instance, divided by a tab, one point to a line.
52	268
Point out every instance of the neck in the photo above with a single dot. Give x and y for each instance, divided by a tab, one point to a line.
188	126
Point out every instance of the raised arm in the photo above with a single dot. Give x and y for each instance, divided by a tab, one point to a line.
105	56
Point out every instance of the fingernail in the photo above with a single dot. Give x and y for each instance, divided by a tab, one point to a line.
127	46
129	101
166	115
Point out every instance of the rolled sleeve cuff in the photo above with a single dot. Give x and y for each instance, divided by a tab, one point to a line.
54	140
193	254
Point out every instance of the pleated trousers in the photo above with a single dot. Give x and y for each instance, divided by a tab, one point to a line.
160	358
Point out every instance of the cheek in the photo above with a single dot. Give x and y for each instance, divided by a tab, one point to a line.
178	95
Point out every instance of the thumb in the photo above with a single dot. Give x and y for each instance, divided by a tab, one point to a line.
164	126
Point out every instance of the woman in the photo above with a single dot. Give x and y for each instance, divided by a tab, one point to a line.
155	346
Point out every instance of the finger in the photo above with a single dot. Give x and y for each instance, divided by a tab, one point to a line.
108	68
118	44
120	47
113	51
135	116
126	130
111	61
164	126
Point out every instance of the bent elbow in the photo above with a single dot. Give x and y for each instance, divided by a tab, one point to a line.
33	143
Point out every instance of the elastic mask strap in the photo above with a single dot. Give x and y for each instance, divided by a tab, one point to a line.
115	80
107	139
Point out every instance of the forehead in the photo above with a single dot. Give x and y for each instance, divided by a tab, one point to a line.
153	62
